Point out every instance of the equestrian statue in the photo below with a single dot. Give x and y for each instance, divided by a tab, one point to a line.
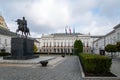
22	26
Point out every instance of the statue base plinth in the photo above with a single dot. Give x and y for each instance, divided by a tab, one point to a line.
21	48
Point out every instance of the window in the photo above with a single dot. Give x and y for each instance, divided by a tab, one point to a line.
44	50
50	44
44	44
118	36
54	44
83	44
47	44
61	50
58	44
68	50
5	42
54	50
72	50
61	44
114	40
68	44
87	50
65	44
58	50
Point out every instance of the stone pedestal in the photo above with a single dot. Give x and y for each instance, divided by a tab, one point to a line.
21	48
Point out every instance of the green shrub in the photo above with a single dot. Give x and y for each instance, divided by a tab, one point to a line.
118	46
78	47
4	54
35	48
110	48
93	63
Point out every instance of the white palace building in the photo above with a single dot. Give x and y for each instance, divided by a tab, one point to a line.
63	43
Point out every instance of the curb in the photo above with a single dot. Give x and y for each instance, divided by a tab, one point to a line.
23	61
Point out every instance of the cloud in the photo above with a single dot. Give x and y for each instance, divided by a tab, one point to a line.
82	6
97	17
51	16
109	8
52	13
96	29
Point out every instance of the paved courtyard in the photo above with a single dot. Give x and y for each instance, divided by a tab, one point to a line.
115	68
58	68
63	69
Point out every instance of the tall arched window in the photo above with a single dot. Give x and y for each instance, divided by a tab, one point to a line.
44	44
61	44
54	44
54	50
47	44
58	50
65	44
50	44
58	44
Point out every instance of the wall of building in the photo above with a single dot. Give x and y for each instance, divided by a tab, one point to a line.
5	43
111	38
117	34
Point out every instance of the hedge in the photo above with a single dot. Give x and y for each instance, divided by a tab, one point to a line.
4	54
93	63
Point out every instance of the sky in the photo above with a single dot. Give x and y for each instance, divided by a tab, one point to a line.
97	17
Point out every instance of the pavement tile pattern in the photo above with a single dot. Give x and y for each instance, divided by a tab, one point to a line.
66	70
60	68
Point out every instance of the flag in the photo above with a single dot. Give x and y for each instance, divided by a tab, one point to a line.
73	30
66	29
69	30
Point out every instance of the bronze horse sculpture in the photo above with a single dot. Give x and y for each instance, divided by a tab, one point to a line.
22	28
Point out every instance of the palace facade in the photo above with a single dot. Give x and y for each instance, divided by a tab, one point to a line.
63	43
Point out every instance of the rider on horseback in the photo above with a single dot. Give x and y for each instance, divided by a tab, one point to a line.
24	23
22	26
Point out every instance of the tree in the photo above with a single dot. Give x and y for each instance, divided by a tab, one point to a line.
110	48
35	48
78	47
118	46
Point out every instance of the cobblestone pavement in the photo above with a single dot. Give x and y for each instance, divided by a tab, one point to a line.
66	70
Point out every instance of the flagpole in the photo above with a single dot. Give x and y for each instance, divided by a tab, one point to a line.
73	30
66	29
69	30
65	41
